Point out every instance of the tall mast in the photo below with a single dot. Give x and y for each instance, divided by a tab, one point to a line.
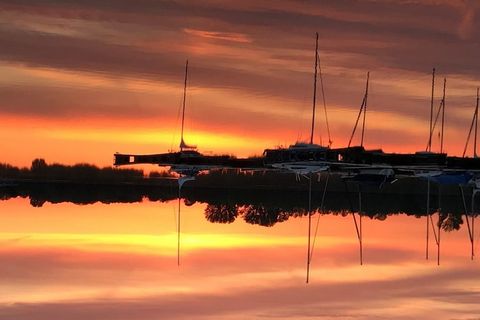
476	127
474	123
429	146
314	87
324	100
365	108
182	143
443	113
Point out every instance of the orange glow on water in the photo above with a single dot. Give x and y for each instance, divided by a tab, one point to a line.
128	252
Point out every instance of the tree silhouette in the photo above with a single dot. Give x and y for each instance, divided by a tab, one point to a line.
258	214
221	213
38	164
450	221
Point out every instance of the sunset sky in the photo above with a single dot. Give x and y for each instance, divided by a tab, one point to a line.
81	80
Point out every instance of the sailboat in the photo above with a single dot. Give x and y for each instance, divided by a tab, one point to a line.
432	162
454	170
186	151
187	161
302	157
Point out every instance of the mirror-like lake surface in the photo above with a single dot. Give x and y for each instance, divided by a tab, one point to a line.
127	261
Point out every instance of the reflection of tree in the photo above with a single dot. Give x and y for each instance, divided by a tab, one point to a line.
189	202
37	202
265	217
380	216
450	221
296	212
221	213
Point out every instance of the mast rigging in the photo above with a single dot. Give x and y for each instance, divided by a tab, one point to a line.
314	88
429	144
443	113
324	100
318	72
441	108
474	122
363	108
183	145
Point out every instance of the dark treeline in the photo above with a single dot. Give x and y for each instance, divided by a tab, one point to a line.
284	182
41	171
81	193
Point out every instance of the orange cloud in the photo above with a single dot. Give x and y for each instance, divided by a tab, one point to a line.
228	36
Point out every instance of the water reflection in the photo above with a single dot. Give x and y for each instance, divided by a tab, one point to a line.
268	207
120	261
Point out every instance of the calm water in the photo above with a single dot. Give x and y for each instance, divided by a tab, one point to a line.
120	261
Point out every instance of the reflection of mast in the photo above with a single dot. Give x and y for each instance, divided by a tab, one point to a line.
178	229
436	232
428	217
470	225
181	182
474	191
439	225
311	243
309	255
358	225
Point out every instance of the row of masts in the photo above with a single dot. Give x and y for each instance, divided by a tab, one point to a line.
474	123
441	109
362	111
